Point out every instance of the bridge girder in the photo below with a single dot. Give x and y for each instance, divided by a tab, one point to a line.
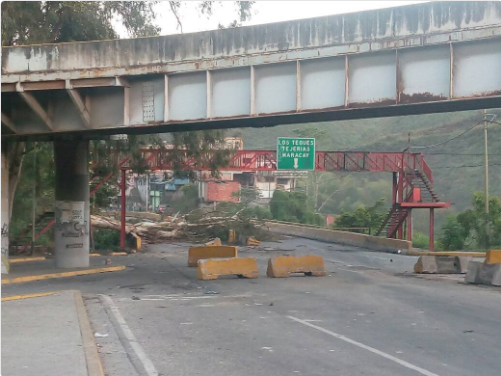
397	61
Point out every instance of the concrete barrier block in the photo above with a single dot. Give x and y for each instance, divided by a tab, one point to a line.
207	252
490	274
483	273
214	243
241	267
232	236
252	242
493	257
442	265
426	264
473	271
464	261
283	266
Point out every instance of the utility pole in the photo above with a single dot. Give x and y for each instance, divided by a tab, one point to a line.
486	152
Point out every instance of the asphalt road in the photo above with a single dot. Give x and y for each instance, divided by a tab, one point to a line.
368	316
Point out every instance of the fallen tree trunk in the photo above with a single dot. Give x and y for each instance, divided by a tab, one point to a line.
147	230
192	227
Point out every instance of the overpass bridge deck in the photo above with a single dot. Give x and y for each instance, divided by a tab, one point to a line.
424	58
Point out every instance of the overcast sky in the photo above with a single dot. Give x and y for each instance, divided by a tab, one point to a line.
263	12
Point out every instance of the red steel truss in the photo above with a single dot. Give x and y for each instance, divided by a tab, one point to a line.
265	160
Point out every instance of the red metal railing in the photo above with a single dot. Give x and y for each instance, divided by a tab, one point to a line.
265	160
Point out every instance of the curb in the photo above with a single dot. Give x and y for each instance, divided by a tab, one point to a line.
28	296
452	254
75	273
26	259
94	366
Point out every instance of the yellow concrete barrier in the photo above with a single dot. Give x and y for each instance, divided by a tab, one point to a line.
139	243
213	268
283	266
232	236
493	257
200	253
214	243
445	253
251	241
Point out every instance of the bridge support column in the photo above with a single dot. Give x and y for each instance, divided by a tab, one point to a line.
123	209
72	204
432	229
409	226
5	211
395	188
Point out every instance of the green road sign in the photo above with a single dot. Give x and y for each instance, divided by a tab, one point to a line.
295	153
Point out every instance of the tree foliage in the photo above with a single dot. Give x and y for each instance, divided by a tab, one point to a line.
189	201
366	218
31	22
293	207
246	195
205	148
36	182
472	227
453	236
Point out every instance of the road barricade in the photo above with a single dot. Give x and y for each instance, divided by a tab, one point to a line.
493	257
214	242
483	273
283	266
207	252
241	267
251	241
232	236
442	264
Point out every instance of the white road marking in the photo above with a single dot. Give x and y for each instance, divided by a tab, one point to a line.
348	270
147	364
185	298
365	347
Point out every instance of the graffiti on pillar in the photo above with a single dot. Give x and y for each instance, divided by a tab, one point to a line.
5	238
5	247
70	220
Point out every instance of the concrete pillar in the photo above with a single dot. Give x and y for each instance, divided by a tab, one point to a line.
72	207
5	212
432	229
409	226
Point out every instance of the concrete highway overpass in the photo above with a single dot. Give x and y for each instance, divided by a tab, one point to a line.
424	58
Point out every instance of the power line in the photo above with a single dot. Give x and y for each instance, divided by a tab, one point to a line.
471	166
449	140
446	153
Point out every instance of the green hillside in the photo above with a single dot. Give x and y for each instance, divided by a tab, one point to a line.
453	181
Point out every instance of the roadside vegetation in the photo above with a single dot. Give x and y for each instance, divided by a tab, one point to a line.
472	229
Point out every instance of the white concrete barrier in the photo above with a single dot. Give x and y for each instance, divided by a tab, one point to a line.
442	265
341	237
483	273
